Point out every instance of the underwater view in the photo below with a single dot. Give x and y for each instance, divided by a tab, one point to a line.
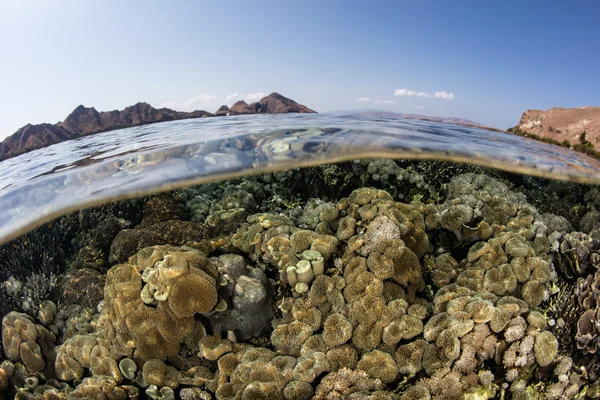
300	257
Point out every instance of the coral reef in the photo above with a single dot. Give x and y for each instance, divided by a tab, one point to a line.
588	325
403	280
43	251
27	296
84	287
26	342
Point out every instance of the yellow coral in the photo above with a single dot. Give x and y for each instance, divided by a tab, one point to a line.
156	332
193	293
378	365
337	330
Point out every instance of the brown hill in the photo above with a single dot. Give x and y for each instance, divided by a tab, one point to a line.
87	120
276	103
271	104
31	137
241	107
222	111
562	124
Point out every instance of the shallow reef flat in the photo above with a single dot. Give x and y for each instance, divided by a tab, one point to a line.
371	279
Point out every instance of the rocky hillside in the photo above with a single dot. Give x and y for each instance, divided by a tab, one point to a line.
562	124
84	120
32	137
271	104
87	120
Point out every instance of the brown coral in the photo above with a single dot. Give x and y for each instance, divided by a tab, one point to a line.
409	357
378	365
213	347
500	280
25	341
343	356
343	383
546	348
183	281
193	293
310	366
298	390
288	338
337	330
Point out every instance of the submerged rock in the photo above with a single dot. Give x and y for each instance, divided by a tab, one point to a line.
84	287
249	294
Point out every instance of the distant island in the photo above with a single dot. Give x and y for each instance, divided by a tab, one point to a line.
575	128
85	121
271	104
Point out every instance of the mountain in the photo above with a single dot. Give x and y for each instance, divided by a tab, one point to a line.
84	120
390	114
222	111
87	120
32	137
276	104
562	124
271	104
241	107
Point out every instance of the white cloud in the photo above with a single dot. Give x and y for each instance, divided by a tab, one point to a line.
420	107
249	98
365	100
384	101
201	99
413	93
194	103
254	96
444	95
410	93
233	96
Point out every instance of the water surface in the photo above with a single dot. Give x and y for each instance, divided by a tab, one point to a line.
49	182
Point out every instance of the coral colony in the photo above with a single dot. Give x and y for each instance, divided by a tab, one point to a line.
401	281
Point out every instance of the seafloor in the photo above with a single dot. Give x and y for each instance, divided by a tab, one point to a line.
373	279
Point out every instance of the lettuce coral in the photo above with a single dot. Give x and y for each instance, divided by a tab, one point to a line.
186	280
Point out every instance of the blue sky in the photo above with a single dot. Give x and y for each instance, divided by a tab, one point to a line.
487	60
